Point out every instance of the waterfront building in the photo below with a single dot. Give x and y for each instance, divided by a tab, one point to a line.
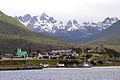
60	65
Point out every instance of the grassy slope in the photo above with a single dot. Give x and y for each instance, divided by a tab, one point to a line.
14	35
109	37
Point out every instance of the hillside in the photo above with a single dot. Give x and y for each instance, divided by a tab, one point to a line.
14	35
109	37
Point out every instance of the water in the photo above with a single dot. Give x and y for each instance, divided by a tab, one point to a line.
63	74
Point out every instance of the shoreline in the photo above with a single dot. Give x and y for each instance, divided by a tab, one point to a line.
106	67
13	69
23	68
85	68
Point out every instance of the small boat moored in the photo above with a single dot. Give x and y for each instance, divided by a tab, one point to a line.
85	65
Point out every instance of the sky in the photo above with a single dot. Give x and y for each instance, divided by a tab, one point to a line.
64	10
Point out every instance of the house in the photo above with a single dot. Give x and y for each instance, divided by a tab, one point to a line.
40	56
108	62
21	53
45	65
5	58
60	65
90	50
96	54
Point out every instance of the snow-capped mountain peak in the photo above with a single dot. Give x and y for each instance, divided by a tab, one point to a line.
47	24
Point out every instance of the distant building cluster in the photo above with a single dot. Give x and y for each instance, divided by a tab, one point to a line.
53	54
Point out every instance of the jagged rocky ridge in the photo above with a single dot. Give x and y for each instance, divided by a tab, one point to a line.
72	30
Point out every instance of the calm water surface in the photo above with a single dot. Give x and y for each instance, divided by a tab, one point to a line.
63	74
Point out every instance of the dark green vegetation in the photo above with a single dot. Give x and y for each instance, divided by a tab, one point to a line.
23	63
109	38
50	62
14	35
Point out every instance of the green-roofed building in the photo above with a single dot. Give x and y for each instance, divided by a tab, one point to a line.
20	53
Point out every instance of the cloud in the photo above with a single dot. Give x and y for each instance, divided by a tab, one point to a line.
62	8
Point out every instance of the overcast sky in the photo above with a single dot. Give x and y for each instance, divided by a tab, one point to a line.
82	10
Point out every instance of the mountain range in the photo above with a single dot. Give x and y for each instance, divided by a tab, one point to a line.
70	31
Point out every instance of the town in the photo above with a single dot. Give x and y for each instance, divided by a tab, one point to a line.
63	57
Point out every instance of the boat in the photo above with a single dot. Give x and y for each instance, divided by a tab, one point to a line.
85	65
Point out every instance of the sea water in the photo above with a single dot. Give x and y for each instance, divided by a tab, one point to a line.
99	73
